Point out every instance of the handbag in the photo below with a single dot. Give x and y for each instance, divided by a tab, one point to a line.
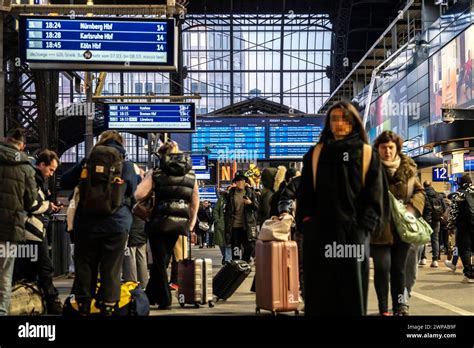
276	228
204	226
410	229
144	207
71	209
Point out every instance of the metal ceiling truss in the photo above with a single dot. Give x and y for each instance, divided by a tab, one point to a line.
341	34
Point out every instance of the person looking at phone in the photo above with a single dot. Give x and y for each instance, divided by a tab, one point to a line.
240	218
41	270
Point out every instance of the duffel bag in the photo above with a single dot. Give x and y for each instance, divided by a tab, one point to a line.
26	299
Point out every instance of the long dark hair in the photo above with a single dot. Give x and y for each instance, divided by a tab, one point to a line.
350	115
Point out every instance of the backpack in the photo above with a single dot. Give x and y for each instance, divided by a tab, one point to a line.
438	206
466	208
101	186
133	302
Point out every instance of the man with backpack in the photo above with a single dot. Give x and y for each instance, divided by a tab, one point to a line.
461	216
102	222
438	207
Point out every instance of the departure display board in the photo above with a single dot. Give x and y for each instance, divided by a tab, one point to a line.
86	43
151	117
199	162
292	137
252	138
228	139
208	193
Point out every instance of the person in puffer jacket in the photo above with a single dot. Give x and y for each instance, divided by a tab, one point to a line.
174	214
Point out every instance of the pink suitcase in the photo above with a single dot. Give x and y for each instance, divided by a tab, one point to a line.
277	277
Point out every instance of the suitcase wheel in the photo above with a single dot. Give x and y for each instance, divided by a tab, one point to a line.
197	305
297	312
257	311
181	304
211	304
274	313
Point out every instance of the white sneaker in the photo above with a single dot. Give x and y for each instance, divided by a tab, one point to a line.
450	265
423	262
434	264
467	280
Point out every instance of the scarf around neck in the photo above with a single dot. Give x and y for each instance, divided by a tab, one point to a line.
392	166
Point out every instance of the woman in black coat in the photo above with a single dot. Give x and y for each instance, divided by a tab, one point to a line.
340	207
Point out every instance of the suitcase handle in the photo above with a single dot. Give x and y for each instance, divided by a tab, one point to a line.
289	277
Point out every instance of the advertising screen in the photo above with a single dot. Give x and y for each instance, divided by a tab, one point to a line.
451	75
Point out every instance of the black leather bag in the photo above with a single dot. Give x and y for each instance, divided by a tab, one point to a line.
144	208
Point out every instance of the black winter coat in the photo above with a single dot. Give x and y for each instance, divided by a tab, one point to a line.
18	192
343	211
249	214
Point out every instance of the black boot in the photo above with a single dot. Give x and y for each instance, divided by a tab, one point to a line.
54	306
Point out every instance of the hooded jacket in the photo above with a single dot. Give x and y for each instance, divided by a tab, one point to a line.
268	182
18	192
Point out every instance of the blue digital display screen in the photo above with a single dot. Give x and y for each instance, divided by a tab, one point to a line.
292	137
208	193
149	117
199	162
468	163
203	174
252	138
92	43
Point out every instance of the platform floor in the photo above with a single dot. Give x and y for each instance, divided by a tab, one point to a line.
438	291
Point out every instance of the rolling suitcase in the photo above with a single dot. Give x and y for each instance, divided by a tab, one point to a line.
229	278
277	276
195	281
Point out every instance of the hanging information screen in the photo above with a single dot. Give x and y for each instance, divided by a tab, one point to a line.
292	137
228	139
151	117
199	162
98	43
251	138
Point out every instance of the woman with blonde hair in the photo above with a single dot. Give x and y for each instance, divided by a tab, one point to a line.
174	215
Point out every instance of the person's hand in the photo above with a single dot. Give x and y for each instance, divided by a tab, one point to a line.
247	201
55	208
411	209
282	215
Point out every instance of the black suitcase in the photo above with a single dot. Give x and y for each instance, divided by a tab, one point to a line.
229	278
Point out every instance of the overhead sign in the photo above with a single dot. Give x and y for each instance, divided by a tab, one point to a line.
151	117
98	43
246	139
208	193
199	162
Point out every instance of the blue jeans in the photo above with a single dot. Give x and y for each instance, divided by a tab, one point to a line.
226	252
6	274
435	240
